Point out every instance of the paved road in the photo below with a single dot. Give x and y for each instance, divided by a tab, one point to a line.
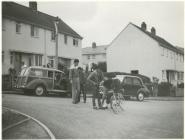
149	119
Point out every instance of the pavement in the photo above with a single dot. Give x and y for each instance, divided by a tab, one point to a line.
150	119
164	98
16	125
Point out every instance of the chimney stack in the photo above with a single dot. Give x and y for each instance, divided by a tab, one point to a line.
143	26
153	31
93	45
33	5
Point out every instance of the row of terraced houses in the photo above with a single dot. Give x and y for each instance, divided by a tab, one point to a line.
28	36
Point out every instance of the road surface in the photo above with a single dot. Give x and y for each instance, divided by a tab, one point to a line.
148	119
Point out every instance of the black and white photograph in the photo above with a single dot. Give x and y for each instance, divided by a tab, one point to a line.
99	69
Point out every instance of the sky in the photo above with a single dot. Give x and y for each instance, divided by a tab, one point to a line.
102	21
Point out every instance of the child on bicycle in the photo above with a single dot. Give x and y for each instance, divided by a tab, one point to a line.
107	91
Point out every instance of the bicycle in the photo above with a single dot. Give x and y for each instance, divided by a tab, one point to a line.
116	100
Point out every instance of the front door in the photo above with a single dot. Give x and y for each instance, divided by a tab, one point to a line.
17	62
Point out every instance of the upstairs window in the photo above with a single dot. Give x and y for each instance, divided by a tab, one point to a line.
53	35
75	42
65	39
88	57
163	49
18	28
34	31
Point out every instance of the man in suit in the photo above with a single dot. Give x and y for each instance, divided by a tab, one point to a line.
75	81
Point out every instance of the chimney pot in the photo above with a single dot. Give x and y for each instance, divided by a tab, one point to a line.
33	5
153	31
143	26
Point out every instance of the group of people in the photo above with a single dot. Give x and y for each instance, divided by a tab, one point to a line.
78	80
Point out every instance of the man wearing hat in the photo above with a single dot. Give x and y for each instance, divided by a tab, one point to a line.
75	81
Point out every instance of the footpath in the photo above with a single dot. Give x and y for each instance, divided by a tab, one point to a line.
164	98
16	125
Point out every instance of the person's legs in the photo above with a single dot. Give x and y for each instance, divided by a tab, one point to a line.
93	98
83	92
73	92
78	90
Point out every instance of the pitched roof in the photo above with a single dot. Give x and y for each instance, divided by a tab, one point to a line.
24	14
161	41
98	50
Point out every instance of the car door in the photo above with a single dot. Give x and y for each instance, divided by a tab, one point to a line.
127	85
136	85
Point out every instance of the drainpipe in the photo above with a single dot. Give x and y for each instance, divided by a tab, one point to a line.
45	47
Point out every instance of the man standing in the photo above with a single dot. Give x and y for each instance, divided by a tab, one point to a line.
75	81
95	78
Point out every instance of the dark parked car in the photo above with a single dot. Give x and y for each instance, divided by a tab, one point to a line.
133	86
42	81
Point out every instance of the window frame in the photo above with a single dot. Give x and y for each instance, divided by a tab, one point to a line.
53	37
75	42
18	28
34	31
65	39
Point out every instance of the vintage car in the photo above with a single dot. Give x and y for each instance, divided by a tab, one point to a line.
133	86
42	81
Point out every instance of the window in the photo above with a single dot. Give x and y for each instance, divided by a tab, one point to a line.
75	42
34	31
136	81
3	57
29	61
50	74
52	35
3	25
38	60
18	28
171	54
51	61
36	72
65	39
128	80
11	57
88	57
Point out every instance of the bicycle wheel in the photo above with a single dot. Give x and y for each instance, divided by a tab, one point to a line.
114	104
121	101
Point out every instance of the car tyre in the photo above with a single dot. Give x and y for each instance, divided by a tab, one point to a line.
140	96
40	90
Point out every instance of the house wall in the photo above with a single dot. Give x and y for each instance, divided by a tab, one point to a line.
134	50
43	44
98	58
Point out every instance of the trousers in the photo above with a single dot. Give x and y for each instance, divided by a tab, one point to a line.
75	89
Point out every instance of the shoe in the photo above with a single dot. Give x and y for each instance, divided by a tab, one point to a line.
101	108
84	101
94	107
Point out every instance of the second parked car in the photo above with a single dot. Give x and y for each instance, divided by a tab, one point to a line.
133	86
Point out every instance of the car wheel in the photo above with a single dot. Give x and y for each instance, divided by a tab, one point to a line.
40	90
140	96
